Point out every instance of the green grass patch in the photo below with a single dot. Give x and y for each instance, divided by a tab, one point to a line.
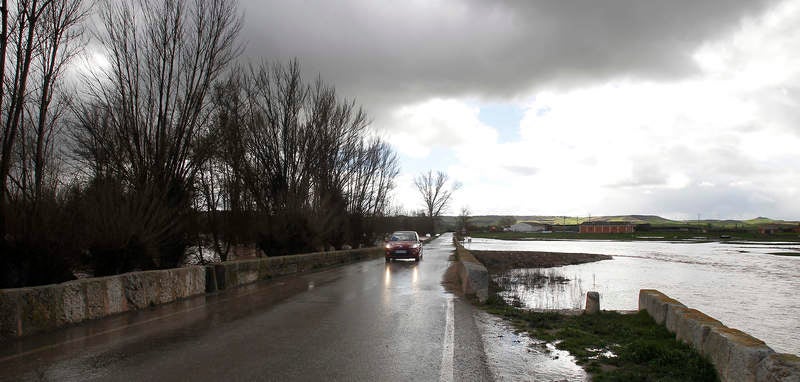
642	350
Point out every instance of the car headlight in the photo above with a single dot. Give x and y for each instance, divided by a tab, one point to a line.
388	246
417	245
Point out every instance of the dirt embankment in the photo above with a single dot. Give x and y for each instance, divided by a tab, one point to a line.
501	261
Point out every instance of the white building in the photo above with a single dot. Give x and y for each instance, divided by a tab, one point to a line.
526	227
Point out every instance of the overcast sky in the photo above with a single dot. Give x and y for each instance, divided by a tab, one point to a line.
567	107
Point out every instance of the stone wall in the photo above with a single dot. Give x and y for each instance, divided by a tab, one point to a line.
234	273
473	275
736	355
25	311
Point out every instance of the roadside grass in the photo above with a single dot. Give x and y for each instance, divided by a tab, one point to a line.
612	346
641	236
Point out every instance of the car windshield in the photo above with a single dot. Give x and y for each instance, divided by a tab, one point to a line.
403	236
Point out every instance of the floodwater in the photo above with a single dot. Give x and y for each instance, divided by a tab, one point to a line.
744	285
515	356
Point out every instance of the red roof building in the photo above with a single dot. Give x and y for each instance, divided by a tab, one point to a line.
607	227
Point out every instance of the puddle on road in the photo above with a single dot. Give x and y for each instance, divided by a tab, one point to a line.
514	356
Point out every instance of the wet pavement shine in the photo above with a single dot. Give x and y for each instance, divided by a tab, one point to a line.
369	321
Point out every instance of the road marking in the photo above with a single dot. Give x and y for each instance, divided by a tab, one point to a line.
446	373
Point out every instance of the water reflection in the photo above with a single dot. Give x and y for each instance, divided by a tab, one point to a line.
742	284
515	356
541	289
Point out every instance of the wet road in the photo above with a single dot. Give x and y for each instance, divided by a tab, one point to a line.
365	321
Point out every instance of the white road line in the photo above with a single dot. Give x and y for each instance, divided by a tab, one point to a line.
446	373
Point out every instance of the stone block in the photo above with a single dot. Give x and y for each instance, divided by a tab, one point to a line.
135	294
75	306
41	309
592	303
165	281
199	284
96	297
115	295
693	327
181	282
674	316
10	325
474	280
151	286
779	368
735	354
657	304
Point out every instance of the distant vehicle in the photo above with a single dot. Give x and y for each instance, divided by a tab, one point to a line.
403	245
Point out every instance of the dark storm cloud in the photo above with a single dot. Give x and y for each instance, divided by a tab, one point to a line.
390	52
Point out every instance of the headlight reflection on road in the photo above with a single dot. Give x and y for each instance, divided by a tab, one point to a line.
387	276
414	276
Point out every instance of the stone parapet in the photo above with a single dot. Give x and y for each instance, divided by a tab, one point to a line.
473	275
25	311
234	273
736	355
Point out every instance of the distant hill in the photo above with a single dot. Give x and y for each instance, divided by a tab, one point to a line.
489	220
762	220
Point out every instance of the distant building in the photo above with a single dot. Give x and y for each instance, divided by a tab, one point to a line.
526	227
562	227
606	227
768	229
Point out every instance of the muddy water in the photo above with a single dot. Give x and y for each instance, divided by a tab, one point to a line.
744	285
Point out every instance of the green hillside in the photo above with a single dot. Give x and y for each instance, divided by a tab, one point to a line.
494	220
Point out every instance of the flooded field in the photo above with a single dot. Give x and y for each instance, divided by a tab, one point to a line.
744	285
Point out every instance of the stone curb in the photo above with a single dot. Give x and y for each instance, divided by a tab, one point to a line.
736	355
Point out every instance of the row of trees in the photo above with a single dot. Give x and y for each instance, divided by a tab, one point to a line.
170	145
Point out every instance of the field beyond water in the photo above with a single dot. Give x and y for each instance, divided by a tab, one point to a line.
500	261
643	236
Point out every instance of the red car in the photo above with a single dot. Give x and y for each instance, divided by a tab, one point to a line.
403	245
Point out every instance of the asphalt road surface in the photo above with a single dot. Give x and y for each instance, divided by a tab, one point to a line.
369	321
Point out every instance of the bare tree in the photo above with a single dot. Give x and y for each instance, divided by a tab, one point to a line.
463	221
306	161
37	41
155	108
435	193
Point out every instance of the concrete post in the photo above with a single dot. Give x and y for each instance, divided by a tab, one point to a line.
592	303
